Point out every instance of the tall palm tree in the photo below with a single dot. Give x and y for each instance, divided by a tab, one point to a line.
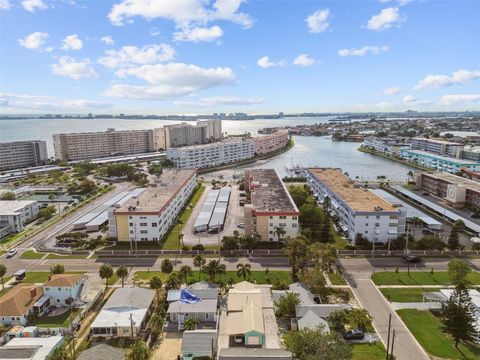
243	270
122	273
279	231
106	272
140	351
213	268
199	261
173	282
156	284
185	272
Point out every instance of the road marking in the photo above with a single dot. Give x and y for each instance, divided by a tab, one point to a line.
44	262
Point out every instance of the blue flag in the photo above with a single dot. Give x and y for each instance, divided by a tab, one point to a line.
188	298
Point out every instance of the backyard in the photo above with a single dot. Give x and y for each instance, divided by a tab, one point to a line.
63	320
374	351
418	278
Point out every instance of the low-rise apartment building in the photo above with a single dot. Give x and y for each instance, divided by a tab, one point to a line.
389	146
438	162
436	146
91	145
271	213
14	214
456	190
272	142
208	155
359	210
22	154
149	215
63	289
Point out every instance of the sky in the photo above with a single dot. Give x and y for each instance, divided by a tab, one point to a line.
255	56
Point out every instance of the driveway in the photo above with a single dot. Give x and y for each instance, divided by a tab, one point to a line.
370	298
169	348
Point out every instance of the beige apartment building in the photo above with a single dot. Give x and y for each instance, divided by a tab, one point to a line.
272	142
91	145
22	154
271	206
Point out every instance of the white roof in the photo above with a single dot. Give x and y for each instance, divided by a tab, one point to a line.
474	294
12	207
30	348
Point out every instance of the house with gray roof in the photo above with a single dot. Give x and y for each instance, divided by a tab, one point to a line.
102	352
199	343
204	310
202	289
311	321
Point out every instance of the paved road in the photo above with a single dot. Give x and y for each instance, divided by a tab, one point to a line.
358	273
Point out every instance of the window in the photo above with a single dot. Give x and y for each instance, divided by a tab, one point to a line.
143	231
131	224
207	315
294	218
270	232
377	224
48	289
366	224
366	231
59	289
131	231
154	224
294	225
143	224
282	217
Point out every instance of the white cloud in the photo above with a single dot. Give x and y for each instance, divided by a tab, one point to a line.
183	13
154	31
385	19
198	34
170	80
107	40
75	69
5	5
318	21
72	42
459	99
32	5
410	100
265	62
129	56
20	102
458	77
389	91
221	100
34	41
363	51
303	60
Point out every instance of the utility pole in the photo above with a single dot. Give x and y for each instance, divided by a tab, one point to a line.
131	325
388	338
393	342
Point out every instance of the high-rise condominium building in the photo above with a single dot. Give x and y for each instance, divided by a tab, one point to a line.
213	129
184	135
22	154
91	145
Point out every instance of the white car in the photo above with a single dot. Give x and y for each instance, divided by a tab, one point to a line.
241	225
10	253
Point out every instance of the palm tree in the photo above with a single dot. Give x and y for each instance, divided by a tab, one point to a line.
156	284
106	272
140	351
213	268
52	197
185	272
199	261
57	269
3	271
327	203
279	232
173	282
243	270
191	323
122	273
156	323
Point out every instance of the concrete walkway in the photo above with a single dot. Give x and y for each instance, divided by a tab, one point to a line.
370	298
416	305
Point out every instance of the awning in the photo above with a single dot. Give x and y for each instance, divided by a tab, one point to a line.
42	301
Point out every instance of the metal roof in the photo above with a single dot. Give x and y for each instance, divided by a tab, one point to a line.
102	352
198	341
203	306
322	310
311	321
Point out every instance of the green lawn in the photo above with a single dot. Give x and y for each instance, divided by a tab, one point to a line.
427	329
336	278
63	320
172	241
259	276
340	243
113	279
30	254
404	295
374	351
418	278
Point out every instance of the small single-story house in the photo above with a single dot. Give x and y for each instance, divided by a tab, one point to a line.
199	343
64	289
127	308
203	289
102	352
30	348
254	354
312	321
20	303
205	310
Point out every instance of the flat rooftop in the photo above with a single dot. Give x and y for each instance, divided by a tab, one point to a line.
359	199
12	207
268	192
455	179
155	198
437	141
440	157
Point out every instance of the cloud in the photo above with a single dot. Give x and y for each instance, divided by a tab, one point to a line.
411	100
385	19
389	91
5	5
107	40
72	42
170	80
34	41
183	13
198	34
303	60
459	99
47	103
32	5
458	77
75	69
363	51
129	56
318	21
265	62
210	102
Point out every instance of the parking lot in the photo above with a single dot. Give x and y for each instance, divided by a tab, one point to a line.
234	216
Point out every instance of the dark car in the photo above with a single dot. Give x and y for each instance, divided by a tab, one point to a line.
411	259
426	193
355	334
427	231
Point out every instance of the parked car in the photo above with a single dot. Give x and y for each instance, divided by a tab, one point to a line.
241	225
11	253
411	259
354	334
427	231
426	193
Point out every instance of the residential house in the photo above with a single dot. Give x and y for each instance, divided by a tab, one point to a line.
199	344
64	289
19	303
102	352
31	348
